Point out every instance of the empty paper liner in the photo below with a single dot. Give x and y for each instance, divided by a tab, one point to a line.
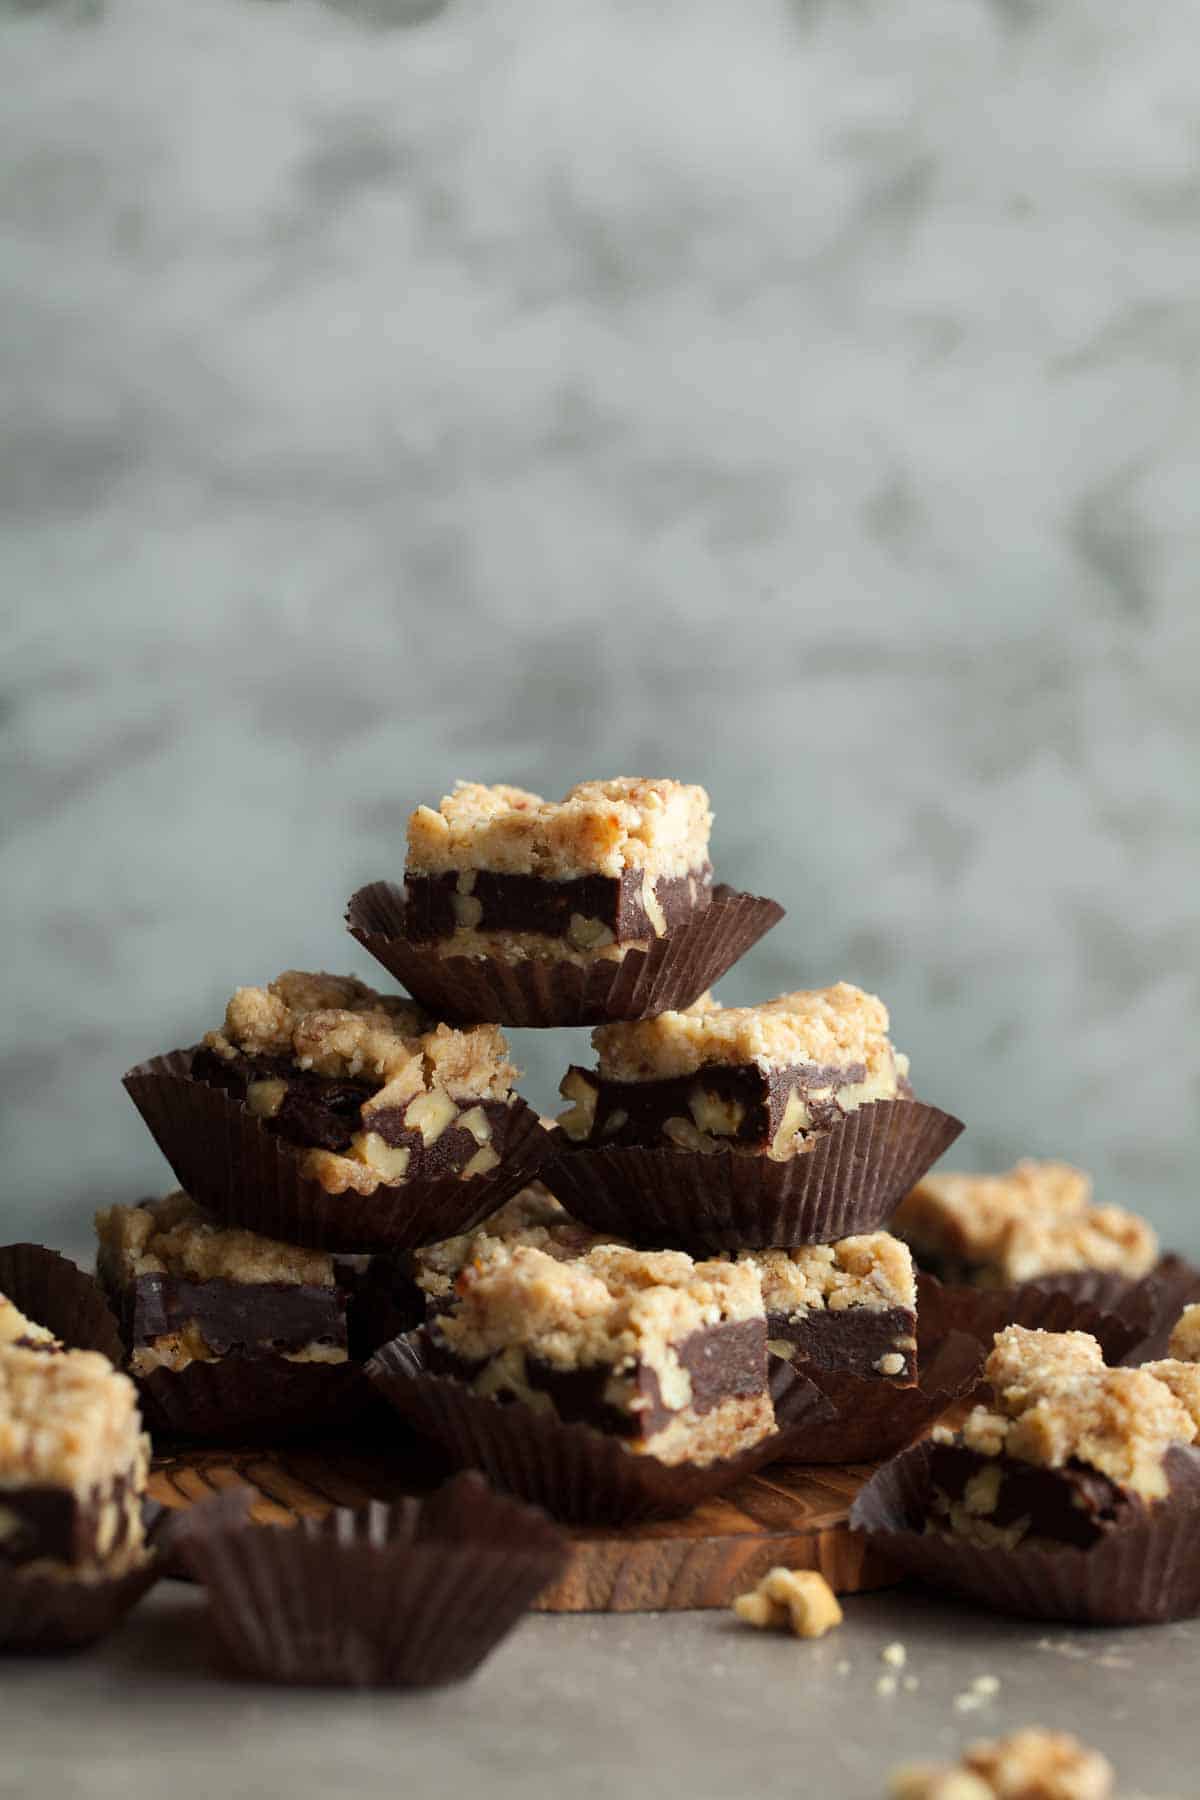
578	1474
254	1399
229	1162
1116	1311
1140	1574
52	1291
538	991
410	1595
875	1418
850	1181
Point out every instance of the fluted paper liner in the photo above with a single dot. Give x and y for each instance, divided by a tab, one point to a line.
1117	1311
1140	1574
578	1474
875	1418
850	1181
52	1291
45	1612
535	991
1174	1283
229	1162
254	1399
410	1595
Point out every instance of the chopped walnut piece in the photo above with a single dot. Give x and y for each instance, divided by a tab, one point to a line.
1031	1764
799	1599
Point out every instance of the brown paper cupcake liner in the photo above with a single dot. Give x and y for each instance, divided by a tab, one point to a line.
1174	1283
1141	1575
673	972
52	1291
229	1163
411	1595
1117	1311
255	1399
875	1418
851	1181
576	1473
46	1613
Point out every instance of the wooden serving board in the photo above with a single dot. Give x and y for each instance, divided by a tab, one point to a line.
794	1516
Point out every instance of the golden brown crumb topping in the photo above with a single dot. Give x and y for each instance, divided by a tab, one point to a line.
533	1218
1056	1402
67	1421
16	1328
336	1025
1031	1764
174	1236
600	828
799	1599
835	1027
612	1305
874	1270
1185	1337
1038	1219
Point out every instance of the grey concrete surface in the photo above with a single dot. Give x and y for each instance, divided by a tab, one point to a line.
686	1704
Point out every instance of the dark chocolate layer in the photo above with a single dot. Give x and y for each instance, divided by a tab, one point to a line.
851	1342
323	1112
52	1523
529	903
634	1112
234	1315
1072	1505
724	1362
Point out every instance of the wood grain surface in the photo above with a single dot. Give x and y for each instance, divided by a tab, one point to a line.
794	1516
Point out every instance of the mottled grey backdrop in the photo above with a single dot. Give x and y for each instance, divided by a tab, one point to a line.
799	400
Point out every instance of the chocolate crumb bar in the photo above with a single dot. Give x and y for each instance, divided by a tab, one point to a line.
1031	1764
533	1218
762	1080
497	871
366	1085
667	1354
187	1288
849	1307
73	1462
1038	1219
1070	1450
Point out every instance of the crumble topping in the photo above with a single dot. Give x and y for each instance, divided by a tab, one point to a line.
174	1236
801	1599
15	1328
337	1026
67	1421
1057	1402
1031	1764
837	1026
533	1218
599	828
1185	1337
1037	1219
874	1270
613	1305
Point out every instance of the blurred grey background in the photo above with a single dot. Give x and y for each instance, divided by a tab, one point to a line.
800	400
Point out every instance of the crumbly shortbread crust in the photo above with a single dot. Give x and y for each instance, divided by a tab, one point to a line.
174	1236
599	828
15	1328
337	1026
614	1305
874	1270
1057	1402
1185	1337
67	1421
1031	1764
533	1218
1037	1219
838	1027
